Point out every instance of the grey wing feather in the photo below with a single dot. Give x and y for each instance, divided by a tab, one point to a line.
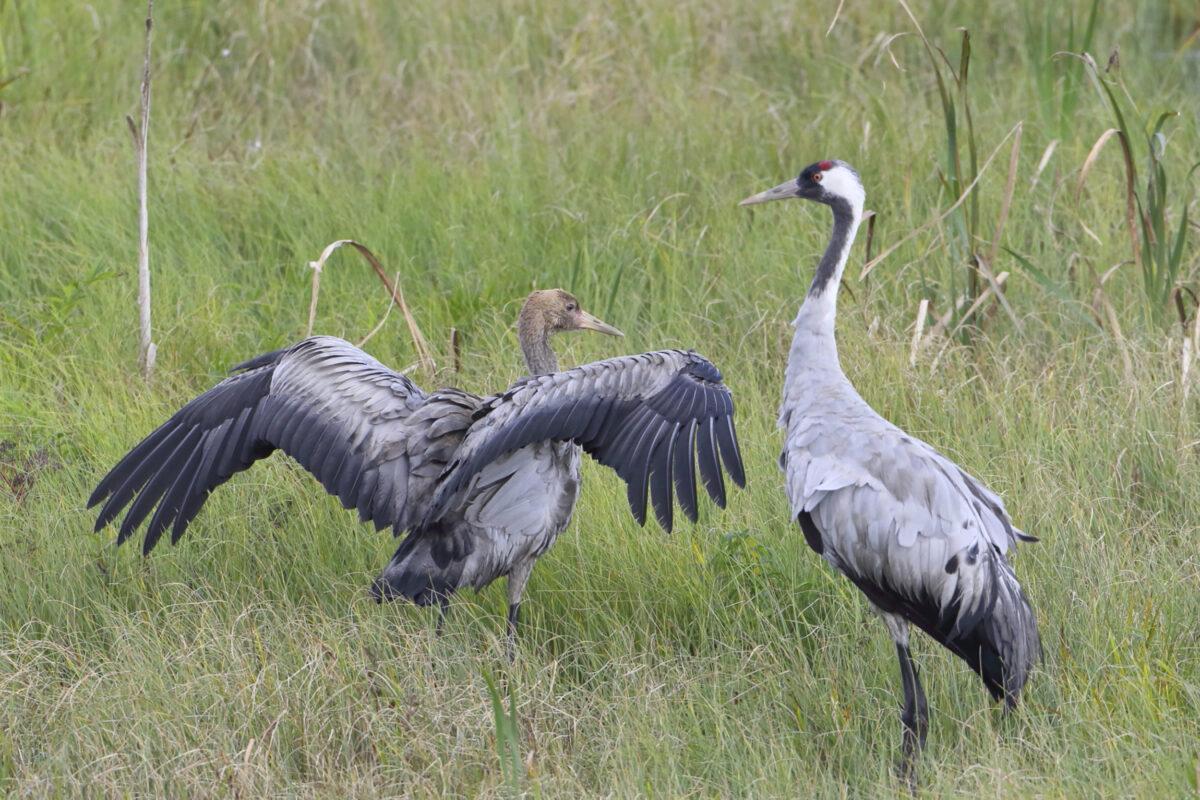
641	415
892	510
349	420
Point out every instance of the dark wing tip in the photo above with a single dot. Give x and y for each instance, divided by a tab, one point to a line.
653	441
265	360
96	496
710	468
731	454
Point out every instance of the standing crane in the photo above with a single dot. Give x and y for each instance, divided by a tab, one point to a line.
482	485
922	539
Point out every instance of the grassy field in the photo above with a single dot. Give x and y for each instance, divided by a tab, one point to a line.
482	149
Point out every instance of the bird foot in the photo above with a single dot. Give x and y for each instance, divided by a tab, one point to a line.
906	772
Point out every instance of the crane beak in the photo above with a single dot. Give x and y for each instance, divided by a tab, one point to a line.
781	192
589	322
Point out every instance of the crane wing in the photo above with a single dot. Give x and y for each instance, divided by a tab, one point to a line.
921	491
642	415
902	521
368	434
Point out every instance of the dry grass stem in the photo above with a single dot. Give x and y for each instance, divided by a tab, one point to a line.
918	330
386	313
869	217
1044	161
1130	199
837	12
1100	298
1185	369
424	356
1190	346
994	287
147	349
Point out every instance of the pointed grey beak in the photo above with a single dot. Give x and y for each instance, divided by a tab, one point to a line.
589	322
781	192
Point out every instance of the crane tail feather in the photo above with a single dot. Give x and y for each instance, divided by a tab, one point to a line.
1002	642
998	639
423	571
1010	637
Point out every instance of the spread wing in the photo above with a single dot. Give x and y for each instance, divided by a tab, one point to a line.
644	416
368	434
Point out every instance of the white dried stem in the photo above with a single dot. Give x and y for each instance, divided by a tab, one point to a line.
141	134
922	313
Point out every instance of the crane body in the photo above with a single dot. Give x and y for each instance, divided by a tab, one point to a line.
926	542
481	486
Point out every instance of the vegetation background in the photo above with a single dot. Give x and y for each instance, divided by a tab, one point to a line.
484	148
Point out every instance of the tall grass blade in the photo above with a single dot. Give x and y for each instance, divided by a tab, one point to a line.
508	746
1054	288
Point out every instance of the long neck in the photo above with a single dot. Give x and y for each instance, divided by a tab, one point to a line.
814	342
535	347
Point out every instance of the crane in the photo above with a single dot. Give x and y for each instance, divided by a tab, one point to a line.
922	539
482	485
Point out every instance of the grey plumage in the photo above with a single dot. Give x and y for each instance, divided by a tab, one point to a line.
482	486
924	541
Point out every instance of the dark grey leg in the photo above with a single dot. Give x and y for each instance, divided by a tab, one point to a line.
914	716
514	610
516	587
443	609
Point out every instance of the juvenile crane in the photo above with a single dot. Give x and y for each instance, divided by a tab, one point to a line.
483	486
922	539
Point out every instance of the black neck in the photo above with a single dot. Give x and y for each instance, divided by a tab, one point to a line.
834	259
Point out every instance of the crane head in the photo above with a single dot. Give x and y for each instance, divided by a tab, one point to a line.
829	182
554	310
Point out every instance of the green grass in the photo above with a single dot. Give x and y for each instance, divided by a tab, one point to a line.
485	148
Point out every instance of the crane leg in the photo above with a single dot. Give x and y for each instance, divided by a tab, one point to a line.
516	588
514	610
443	610
914	716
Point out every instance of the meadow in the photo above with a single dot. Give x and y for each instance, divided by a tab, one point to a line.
483	149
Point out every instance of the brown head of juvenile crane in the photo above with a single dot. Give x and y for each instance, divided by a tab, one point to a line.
545	313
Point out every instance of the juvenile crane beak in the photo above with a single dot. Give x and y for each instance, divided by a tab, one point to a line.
589	322
781	192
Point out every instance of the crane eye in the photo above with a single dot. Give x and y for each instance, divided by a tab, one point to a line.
570	306
817	177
